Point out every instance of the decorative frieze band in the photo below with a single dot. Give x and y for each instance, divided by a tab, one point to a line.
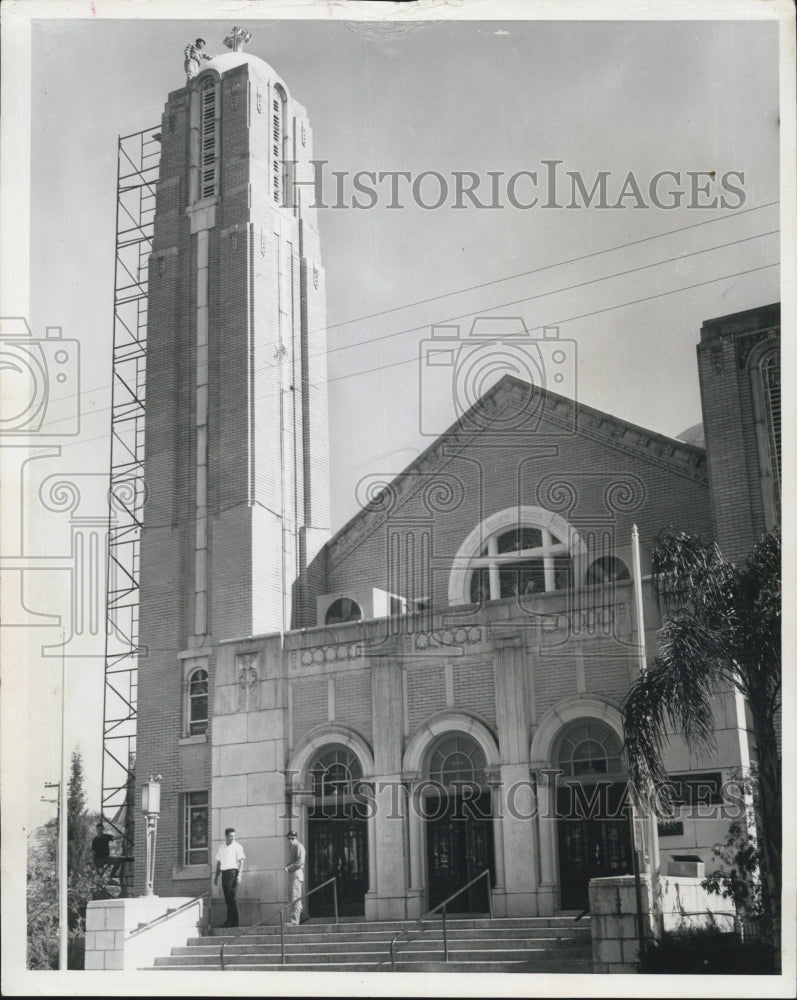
329	654
448	637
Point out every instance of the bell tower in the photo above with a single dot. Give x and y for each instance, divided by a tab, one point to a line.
236	449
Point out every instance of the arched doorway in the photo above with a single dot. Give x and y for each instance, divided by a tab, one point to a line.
337	841
457	807
592	808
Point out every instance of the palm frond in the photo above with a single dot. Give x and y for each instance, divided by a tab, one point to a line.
670	697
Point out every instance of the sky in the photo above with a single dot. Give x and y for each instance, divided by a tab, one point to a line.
628	287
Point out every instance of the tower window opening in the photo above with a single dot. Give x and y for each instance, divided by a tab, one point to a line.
277	138
208	158
770	377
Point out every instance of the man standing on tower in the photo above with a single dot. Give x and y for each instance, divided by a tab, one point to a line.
295	869
230	859
193	54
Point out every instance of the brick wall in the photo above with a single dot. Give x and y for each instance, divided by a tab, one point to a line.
582	478
729	419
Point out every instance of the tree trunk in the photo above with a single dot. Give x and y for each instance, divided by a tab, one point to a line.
768	818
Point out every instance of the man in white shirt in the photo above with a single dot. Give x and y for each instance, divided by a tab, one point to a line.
230	859
295	869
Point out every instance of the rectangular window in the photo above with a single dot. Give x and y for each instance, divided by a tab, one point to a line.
195	828
697	789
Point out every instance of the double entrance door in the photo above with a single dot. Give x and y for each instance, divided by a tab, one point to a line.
594	827
459	845
337	846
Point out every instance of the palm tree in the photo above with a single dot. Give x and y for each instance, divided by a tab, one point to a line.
721	630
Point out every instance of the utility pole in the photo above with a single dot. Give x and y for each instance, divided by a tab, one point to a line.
62	824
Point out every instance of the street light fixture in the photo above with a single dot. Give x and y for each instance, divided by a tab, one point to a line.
151	807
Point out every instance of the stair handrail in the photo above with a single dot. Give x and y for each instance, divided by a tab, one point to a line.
171	912
485	873
280	913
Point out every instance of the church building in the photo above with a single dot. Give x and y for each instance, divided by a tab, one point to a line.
434	690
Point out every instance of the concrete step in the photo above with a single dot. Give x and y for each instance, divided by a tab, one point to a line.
427	941
498	951
476	944
562	966
309	933
346	926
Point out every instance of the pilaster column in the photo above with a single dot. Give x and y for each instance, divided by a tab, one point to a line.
415	835
517	803
499	809
386	830
542	771
510	699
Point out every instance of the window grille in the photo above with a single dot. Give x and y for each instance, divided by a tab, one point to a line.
198	703
195	828
457	758
208	141
276	147
520	562
589	749
770	378
335	772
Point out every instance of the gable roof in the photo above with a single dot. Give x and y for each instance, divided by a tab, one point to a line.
528	409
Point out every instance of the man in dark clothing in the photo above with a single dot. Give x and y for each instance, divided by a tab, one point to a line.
101	847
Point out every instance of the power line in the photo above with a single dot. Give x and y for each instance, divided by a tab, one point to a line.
405	361
546	267
557	291
504	305
570	319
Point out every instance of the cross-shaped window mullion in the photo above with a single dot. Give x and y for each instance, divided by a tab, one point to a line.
495	577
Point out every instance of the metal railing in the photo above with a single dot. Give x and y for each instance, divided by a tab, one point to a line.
167	915
441	906
280	913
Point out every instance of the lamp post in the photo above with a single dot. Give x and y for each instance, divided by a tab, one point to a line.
151	807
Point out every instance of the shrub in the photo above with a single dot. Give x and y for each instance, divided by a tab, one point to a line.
707	951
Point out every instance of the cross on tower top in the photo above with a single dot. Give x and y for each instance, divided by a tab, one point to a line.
237	38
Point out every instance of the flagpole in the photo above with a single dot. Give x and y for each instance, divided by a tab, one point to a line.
646	843
640	615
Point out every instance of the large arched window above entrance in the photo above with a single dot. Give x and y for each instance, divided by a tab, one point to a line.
335	773
457	757
519	561
589	749
515	553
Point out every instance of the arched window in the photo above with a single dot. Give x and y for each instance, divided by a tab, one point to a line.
770	381
518	562
198	703
278	144
607	569
344	609
457	757
208	139
589	749
335	773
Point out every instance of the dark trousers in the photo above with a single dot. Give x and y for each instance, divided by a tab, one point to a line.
229	884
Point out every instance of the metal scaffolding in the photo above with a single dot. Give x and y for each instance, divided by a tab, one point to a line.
137	176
